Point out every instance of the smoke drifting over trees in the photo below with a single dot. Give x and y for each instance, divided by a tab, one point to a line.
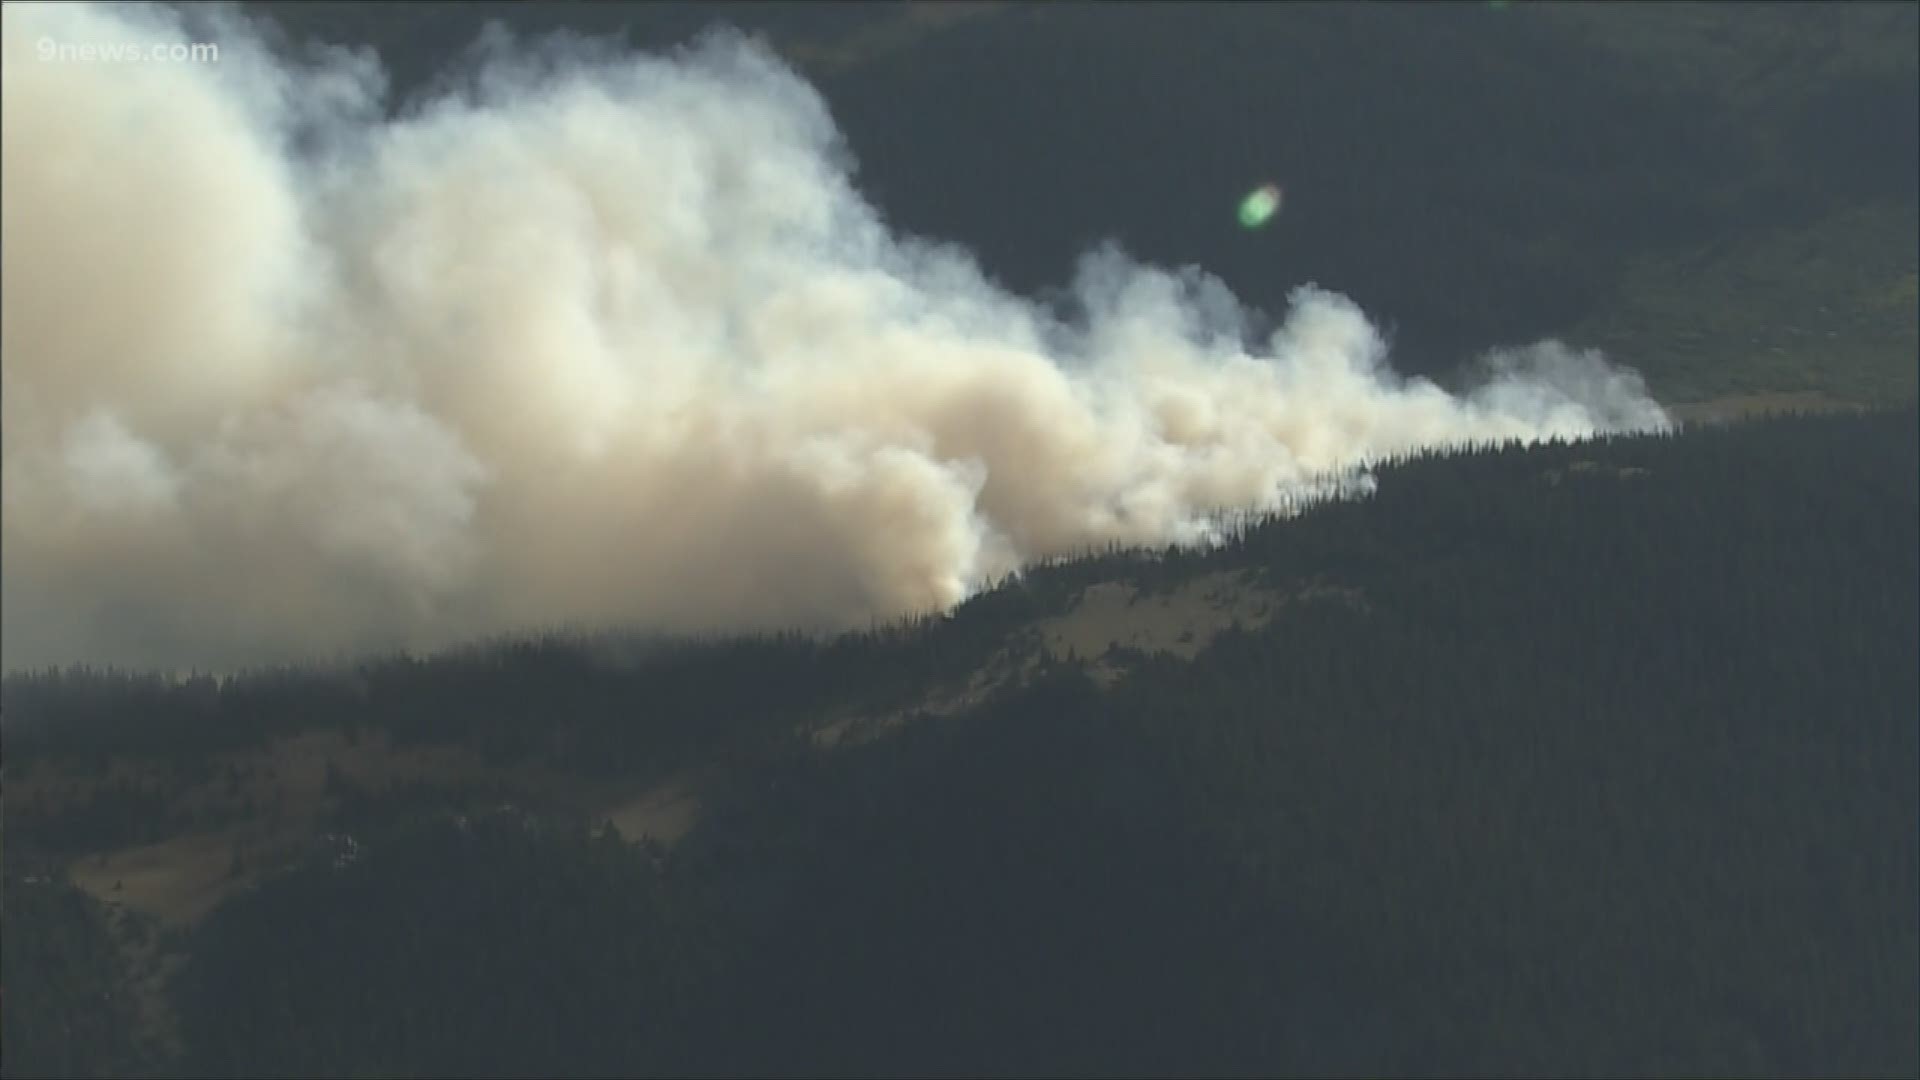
589	339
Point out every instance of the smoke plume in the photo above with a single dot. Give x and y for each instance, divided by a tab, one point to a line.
587	339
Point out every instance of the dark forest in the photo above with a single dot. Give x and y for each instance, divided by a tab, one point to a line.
1601	752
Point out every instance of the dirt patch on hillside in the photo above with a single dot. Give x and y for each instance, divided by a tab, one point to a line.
662	815
1594	470
260	809
1178	622
176	881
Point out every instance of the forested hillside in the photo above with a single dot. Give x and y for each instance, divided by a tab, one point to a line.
1596	757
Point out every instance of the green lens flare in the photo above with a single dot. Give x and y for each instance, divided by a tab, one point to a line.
1259	206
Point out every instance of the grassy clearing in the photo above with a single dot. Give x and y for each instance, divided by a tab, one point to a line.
1826	309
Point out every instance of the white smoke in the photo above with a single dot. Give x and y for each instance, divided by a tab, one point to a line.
589	340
